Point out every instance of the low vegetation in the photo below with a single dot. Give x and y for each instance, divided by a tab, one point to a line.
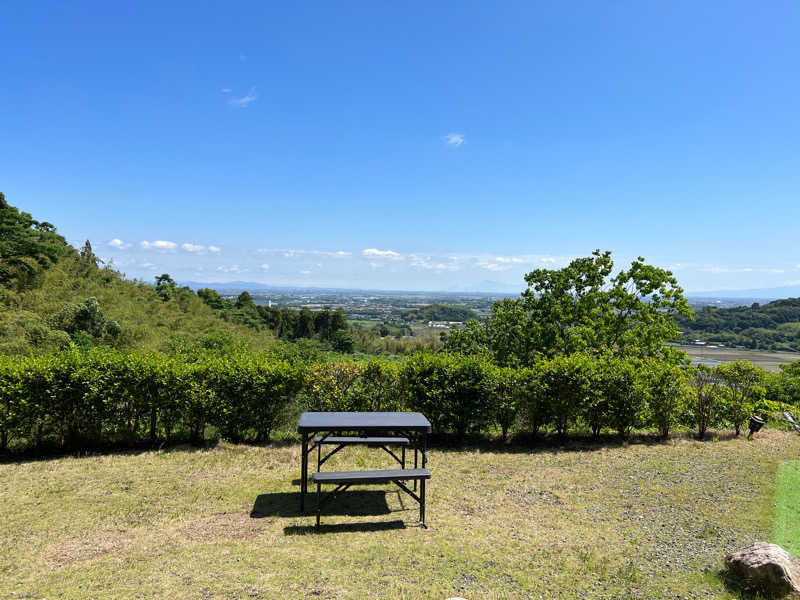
575	521
786	531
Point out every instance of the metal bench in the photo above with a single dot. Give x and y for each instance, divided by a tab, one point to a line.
374	442
344	479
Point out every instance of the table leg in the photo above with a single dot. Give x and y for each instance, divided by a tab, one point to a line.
303	472
416	447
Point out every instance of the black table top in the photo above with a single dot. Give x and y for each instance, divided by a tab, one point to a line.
363	421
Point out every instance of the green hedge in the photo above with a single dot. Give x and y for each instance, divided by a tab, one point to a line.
80	399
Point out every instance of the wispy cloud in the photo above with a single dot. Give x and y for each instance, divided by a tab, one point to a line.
245	100
118	243
214	249
453	139
195	248
374	253
226	90
158	245
429	263
497	263
232	269
265	267
292	253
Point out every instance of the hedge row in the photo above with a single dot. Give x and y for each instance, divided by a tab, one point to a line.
79	399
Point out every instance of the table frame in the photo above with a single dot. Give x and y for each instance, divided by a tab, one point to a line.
412	425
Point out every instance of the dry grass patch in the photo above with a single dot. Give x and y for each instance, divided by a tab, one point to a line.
579	521
85	547
219	528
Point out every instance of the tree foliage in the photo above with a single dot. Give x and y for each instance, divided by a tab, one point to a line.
584	307
27	247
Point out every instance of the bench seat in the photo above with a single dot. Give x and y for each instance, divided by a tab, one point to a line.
344	479
369	441
365	477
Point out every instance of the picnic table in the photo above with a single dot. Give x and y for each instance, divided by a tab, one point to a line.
375	429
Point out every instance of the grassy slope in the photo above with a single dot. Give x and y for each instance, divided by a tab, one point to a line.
644	521
786	528
147	321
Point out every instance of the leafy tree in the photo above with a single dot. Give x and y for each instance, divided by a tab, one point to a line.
85	322
470	339
245	300
27	247
583	308
165	286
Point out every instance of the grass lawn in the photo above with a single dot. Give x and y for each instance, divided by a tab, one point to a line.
787	507
582	521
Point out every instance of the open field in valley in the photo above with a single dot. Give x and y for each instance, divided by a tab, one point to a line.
645	520
766	360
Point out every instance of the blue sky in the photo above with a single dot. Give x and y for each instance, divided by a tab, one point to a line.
408	145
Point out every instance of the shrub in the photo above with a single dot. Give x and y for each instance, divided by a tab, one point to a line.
704	408
567	382
667	394
450	389
743	390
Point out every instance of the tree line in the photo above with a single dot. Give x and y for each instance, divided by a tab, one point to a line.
771	326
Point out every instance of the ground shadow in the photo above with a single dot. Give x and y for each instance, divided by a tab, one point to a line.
356	503
344	527
737	590
50	452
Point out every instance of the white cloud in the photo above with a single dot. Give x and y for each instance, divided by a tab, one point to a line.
453	139
158	245
213	249
118	243
305	272
147	265
418	261
226	90
293	253
265	267
232	269
374	253
193	247
245	100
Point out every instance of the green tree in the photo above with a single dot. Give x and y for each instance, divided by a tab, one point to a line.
27	247
584	308
165	286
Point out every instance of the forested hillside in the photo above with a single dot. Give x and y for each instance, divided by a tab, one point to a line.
772	326
53	296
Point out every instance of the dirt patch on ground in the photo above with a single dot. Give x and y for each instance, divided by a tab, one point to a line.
219	527
85	547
